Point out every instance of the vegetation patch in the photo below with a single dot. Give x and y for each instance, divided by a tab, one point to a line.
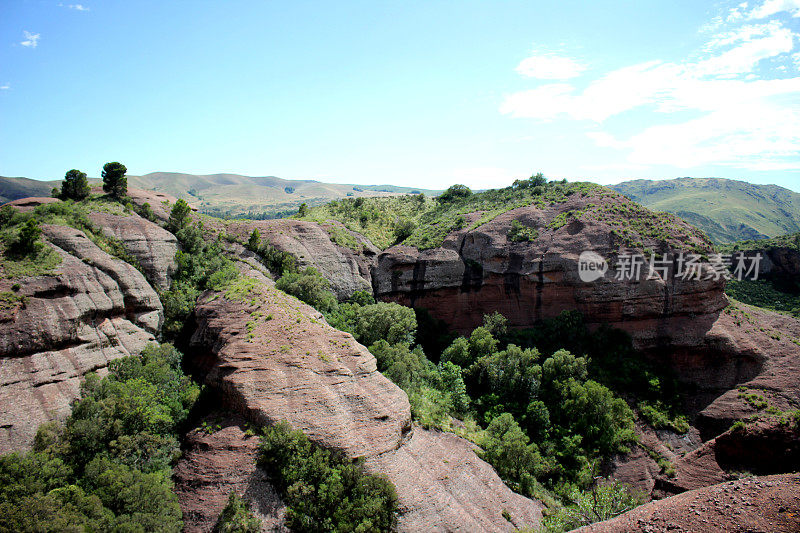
776	295
108	467
202	265
324	490
425	222
521	233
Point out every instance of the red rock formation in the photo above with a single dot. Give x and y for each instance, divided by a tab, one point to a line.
220	458
29	204
153	246
478	271
270	358
310	243
95	308
765	447
753	504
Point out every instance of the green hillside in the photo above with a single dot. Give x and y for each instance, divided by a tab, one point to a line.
228	195
16	188
727	210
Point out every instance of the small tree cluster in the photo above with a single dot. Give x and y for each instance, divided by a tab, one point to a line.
114	181
75	186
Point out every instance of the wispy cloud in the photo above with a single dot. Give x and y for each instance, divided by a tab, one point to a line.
76	7
31	39
771	7
743	88
548	66
5	87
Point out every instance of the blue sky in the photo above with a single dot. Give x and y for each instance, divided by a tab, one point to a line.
423	94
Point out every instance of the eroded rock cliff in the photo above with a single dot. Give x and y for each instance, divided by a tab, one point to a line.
270	358
93	309
347	269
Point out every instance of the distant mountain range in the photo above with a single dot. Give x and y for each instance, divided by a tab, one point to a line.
727	210
227	194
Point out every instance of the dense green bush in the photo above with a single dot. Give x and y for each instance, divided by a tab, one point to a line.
109	467
115	182
236	517
27	240
75	186
604	500
455	192
309	286
322	489
202	266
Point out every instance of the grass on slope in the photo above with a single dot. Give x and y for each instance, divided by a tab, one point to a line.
236	196
64	213
727	210
16	188
774	291
791	241
766	293
425	222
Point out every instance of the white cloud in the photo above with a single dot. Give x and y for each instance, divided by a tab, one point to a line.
771	7
549	66
5	87
76	7
752	44
31	39
741	118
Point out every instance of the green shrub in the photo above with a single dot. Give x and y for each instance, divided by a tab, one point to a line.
322	489
75	186
604	500
201	266
455	192
27	241
236	517
521	233
309	286
109	467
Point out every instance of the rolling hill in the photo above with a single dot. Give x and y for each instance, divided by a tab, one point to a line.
16	188
727	210
227	195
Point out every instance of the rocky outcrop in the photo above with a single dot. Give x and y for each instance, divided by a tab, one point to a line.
477	271
94	309
29	204
753	504
639	468
160	203
347	269
151	245
764	447
270	357
220	458
443	486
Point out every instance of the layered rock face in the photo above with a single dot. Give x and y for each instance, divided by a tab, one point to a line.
94	309
757	504
478	271
220	458
271	358
310	243
160	203
764	447
153	246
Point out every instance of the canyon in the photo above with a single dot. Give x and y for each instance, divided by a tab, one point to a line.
265	357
